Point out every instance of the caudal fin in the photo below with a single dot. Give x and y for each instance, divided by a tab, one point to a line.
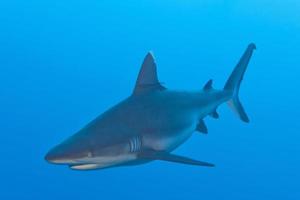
234	82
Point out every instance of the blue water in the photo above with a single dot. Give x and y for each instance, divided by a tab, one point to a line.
64	62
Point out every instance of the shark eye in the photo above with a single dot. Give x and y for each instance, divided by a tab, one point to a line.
89	154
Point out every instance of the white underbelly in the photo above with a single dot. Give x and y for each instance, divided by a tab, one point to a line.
170	141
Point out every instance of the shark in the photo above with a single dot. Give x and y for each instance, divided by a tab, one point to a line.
151	123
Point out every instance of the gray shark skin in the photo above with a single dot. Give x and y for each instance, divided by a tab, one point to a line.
150	123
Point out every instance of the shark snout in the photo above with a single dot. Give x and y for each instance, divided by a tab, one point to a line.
61	155
69	152
57	157
51	158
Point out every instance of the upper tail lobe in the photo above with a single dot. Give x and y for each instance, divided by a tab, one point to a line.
234	81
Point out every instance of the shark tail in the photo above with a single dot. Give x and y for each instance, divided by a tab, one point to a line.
234	81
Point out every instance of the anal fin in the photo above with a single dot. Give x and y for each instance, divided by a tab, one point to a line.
165	156
215	114
201	127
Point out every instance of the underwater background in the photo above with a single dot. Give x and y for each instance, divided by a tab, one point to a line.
63	62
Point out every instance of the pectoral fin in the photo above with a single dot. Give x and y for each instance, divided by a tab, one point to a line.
165	156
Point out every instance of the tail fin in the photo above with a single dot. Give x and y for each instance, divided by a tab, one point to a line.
234	82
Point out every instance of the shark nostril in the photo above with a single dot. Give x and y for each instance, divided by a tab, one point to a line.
54	156
49	157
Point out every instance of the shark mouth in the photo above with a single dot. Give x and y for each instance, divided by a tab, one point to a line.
86	166
104	162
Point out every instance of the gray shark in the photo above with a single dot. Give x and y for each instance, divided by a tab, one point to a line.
150	123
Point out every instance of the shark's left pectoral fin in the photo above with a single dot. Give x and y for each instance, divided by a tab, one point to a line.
165	156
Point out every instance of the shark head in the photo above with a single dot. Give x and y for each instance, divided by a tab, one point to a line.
71	151
82	153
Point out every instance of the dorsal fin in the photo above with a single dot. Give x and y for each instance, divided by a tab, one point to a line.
208	85
147	79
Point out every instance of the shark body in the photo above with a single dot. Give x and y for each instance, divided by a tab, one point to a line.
150	123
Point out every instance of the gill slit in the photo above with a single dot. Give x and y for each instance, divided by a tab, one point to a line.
135	144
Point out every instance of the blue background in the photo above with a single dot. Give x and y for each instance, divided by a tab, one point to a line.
64	62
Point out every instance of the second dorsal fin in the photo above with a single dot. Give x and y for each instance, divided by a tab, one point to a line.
208	85
147	79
